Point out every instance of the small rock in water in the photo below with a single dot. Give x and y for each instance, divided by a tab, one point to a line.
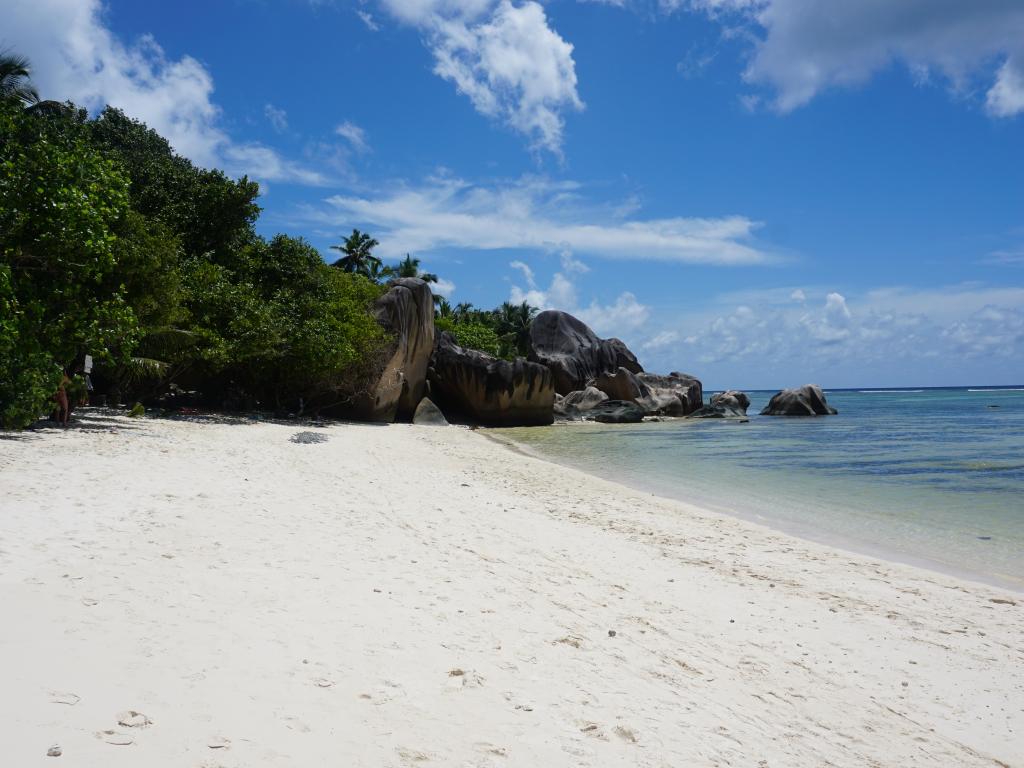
308	438
54	751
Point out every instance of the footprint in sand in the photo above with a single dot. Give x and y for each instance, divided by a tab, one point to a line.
382	694
115	737
132	719
491	749
61	697
218	742
626	734
459	679
412	755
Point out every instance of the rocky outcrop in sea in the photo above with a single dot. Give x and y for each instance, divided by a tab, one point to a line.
807	400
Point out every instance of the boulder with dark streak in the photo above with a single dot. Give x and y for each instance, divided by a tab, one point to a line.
677	394
571	407
807	400
615	412
473	387
574	353
622	384
724	405
395	388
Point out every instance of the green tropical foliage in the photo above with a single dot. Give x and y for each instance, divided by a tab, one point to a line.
512	324
114	246
471	335
410	267
503	332
15	83
358	255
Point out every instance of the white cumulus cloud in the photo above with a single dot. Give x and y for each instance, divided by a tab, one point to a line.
803	47
504	57
75	56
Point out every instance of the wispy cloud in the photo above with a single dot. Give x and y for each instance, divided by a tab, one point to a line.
354	135
538	214
277	118
368	20
1012	257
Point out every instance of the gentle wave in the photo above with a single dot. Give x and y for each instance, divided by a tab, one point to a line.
999	389
895	391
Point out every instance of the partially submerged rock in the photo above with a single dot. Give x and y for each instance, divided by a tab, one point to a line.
724	405
674	395
473	386
571	407
615	412
573	353
807	400
397	385
585	399
677	394
428	414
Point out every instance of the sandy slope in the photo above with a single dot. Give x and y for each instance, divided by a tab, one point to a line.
405	595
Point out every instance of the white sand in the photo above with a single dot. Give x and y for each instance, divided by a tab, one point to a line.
407	595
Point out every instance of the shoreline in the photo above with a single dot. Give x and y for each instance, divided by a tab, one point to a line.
807	533
400	595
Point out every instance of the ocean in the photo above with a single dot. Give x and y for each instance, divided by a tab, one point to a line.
931	477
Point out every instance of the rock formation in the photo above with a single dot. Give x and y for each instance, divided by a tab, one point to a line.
674	395
807	400
428	414
473	386
396	387
615	412
622	384
572	406
585	399
725	405
573	353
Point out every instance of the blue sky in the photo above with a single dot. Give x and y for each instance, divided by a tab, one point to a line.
760	192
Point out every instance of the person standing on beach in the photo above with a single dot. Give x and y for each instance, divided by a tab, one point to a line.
63	410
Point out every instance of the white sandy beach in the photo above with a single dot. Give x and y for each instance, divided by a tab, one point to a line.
407	595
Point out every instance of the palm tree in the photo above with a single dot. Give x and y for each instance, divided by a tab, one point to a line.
410	267
464	311
513	327
14	79
358	255
443	309
378	272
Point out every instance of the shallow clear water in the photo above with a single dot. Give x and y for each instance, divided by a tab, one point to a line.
929	476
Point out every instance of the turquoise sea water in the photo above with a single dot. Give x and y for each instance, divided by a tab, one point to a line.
933	477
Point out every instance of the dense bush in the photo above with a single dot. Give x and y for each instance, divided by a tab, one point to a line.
61	205
471	335
111	245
